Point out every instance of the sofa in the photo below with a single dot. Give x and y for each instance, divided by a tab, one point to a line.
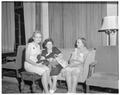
89	64
66	55
106	73
101	68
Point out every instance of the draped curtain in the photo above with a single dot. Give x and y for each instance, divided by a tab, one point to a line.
68	21
29	19
8	27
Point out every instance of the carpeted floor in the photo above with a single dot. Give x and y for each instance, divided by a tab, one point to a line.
11	86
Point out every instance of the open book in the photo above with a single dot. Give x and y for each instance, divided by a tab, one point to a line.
62	62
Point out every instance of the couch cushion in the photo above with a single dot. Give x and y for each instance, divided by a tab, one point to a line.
10	65
66	53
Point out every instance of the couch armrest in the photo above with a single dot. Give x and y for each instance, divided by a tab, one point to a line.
93	63
9	59
92	68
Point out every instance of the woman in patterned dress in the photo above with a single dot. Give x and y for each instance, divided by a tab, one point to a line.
50	53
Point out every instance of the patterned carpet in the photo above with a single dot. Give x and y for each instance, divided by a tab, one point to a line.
9	87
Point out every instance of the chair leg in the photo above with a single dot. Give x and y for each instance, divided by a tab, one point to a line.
33	86
19	84
22	85
24	88
84	87
18	77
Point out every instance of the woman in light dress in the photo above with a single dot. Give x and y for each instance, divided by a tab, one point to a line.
33	49
76	64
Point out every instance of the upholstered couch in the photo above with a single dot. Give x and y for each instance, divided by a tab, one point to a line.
106	73
66	55
106	70
89	62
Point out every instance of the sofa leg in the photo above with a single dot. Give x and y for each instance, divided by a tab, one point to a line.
33	87
87	89
22	85
84	87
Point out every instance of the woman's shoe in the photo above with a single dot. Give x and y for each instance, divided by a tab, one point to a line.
52	91
68	92
43	91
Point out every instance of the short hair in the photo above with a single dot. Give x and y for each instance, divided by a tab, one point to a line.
46	41
83	41
31	38
37	31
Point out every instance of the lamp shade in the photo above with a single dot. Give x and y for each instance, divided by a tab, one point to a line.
110	22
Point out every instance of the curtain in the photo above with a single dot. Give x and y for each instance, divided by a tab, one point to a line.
38	16
95	13
56	23
8	27
29	19
68	21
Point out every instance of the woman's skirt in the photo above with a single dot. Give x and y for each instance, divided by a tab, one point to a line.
35	69
56	70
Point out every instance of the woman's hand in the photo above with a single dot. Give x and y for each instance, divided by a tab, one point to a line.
53	65
71	65
39	64
42	58
75	63
53	62
50	59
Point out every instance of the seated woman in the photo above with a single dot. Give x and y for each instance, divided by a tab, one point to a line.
50	53
75	67
32	50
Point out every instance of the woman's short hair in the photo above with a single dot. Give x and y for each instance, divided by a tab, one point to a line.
37	31
46	41
33	35
83	41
